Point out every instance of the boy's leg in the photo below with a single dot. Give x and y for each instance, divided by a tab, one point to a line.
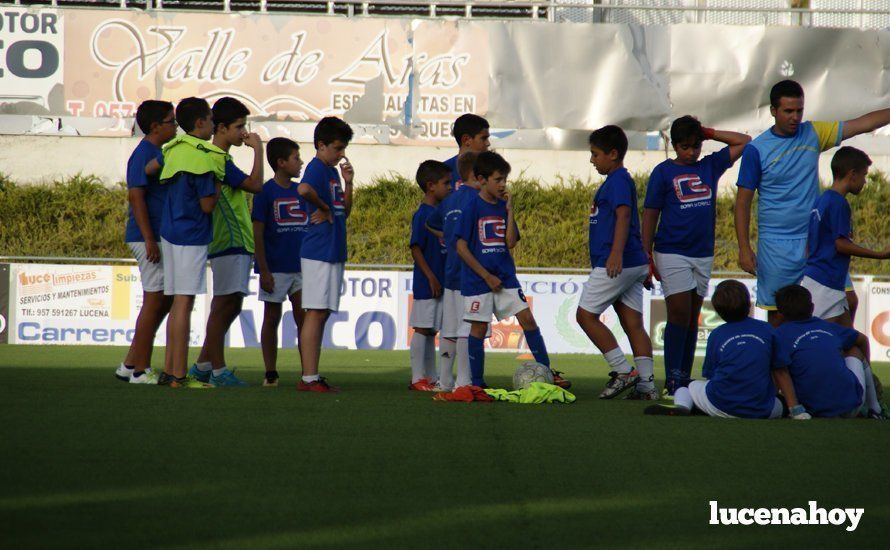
269	341
431	373
223	311
311	335
155	306
533	337
632	322
321	296
231	279
676	333
476	352
447	353
178	331
691	338
418	352
296	302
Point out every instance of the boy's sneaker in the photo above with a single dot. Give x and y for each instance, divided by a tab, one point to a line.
147	377
618	383
440	388
422	385
270	380
165	379
666	410
189	383
200	375
320	386
642	395
558	380
226	380
123	373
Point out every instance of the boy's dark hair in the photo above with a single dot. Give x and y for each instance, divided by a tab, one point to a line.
152	111
488	163
330	129
848	159
431	171
785	88
190	110
686	129
731	301
280	149
610	138
227	110
466	162
468	125
794	302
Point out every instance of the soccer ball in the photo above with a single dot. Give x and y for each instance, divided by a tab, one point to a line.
530	372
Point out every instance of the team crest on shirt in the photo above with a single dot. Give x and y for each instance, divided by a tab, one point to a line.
492	231
594	210
290	212
690	188
337	200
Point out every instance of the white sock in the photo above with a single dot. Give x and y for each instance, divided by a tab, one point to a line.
204	367
447	350
617	361
682	398
462	357
418	349
311	378
867	380
646	372
429	360
217	372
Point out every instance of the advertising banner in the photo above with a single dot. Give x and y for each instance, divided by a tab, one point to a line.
878	325
31	54
4	303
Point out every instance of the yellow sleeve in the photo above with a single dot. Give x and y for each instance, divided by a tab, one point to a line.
829	134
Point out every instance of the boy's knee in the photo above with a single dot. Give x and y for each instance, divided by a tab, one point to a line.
582	316
478	329
526	320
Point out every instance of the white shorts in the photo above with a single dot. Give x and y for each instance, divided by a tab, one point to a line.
701	401
827	302
600	291
321	284
152	274
502	304
453	324
427	313
231	274
286	285
683	273
185	269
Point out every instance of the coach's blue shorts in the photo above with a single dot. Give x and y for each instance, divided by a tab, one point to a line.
780	262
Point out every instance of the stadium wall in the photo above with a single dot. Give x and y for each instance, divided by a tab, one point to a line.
98	305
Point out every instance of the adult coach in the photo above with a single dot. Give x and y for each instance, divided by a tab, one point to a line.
782	165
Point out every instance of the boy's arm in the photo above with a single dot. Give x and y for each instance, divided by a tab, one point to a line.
735	140
463	251
322	212
650	222
747	257
208	203
438	233
136	196
849	248
267	282
782	379
154	166
512	236
254	182
421	262
866	123
622	229
348	173
863	346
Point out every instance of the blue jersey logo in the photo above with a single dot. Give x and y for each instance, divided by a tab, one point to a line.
290	211
690	188
492	231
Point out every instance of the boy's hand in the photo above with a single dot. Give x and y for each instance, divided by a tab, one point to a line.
347	170
748	260
435	287
321	216
152	252
267	282
614	264
494	283
509	198
253	141
653	274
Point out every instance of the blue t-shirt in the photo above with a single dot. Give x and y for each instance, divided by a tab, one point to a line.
484	226
830	220
738	361
283	213
325	242
812	350
618	190
446	218
432	248
456	182
687	198
155	193
785	172
183	222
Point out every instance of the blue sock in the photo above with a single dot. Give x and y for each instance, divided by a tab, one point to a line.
674	351
689	355
476	348
536	345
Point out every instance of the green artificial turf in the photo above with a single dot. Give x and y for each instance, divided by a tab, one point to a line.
88	461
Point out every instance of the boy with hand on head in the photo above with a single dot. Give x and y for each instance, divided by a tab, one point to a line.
619	269
683	193
323	252
428	252
193	170
827	361
147	196
738	366
830	243
280	219
472	135
485	235
231	252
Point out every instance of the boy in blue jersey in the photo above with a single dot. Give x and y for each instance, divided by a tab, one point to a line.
683	193
830	244
146	196
619	267
193	170
428	251
782	166
472	135
323	251
231	252
486	234
827	361
279	221
738	367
